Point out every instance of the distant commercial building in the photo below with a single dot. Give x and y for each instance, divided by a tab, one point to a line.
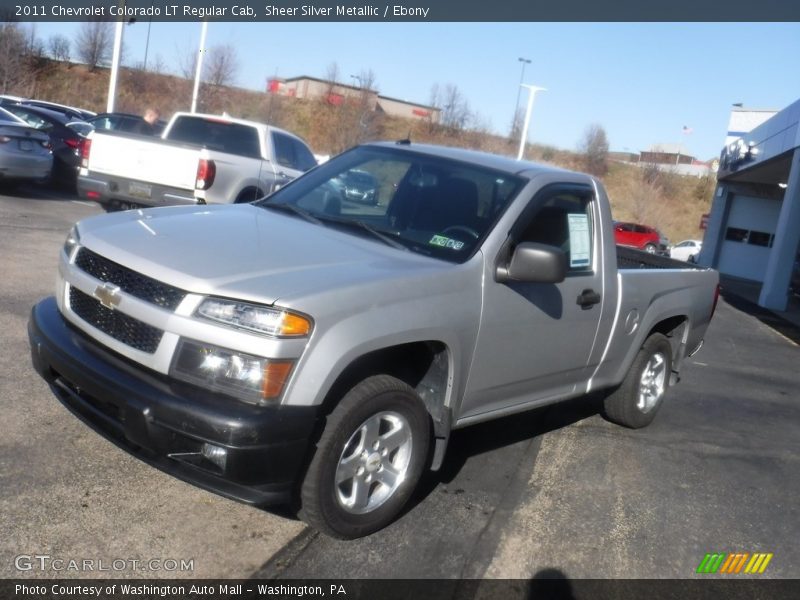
408	110
754	225
676	158
311	88
667	154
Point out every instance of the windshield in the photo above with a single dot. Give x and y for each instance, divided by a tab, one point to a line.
422	203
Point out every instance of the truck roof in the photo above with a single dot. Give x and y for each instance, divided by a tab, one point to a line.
485	159
228	119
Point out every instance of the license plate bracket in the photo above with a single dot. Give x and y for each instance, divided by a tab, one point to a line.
140	190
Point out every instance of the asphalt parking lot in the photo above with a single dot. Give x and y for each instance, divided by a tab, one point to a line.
557	490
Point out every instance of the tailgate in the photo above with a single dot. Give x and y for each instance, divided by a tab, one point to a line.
152	160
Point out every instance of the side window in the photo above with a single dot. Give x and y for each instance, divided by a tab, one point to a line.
104	123
564	220
303	157
284	150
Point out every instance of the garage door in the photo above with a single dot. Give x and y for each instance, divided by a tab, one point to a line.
748	237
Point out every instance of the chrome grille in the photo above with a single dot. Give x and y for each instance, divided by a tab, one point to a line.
133	283
121	327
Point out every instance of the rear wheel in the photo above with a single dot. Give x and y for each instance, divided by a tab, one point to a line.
370	456
635	403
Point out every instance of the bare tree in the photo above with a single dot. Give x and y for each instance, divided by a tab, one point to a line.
366	106
221	65
93	44
12	56
435	96
515	130
455	109
33	45
647	204
59	47
187	62
356	117
594	148
332	76
157	65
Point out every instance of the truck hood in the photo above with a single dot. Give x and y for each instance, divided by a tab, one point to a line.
244	252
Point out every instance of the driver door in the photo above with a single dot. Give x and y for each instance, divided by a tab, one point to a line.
536	339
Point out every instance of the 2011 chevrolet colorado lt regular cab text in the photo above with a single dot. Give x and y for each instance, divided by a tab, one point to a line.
309	349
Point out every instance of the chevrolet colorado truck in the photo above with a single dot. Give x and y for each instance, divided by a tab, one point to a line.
312	350
199	159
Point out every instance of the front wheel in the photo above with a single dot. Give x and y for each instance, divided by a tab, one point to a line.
650	249
635	402
370	456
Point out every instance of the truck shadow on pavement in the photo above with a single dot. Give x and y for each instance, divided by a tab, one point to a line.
485	438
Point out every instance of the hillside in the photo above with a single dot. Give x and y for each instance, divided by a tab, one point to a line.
670	202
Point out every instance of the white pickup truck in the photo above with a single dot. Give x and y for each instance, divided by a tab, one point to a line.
199	159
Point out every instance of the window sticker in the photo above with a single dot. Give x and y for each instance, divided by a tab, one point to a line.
445	242
579	242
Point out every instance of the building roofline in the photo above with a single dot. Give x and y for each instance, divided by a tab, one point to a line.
329	82
381	96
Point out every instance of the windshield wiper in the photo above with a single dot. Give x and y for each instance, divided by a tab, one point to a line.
293	209
389	241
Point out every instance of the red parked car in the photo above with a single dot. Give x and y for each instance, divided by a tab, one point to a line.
638	236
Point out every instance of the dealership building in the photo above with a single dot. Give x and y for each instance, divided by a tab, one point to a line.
753	228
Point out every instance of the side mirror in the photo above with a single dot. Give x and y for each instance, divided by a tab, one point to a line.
534	263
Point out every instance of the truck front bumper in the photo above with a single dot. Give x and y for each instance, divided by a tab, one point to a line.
248	453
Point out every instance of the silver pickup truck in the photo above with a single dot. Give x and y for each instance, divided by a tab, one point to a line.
199	159
316	349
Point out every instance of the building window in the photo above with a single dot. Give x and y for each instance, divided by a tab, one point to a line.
734	234
746	236
760	238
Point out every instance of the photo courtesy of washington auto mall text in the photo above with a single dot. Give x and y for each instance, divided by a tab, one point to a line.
133	591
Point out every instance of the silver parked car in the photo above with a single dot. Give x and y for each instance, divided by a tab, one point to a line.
25	153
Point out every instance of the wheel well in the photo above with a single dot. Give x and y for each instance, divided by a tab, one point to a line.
673	328
249	194
422	365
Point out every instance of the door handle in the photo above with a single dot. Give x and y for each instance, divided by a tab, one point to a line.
588	298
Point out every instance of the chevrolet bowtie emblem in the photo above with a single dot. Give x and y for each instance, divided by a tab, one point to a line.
108	294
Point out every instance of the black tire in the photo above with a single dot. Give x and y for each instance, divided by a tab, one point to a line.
650	248
624	405
376	399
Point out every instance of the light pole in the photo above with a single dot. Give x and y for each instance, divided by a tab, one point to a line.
147	43
115	58
524	62
199	66
532	89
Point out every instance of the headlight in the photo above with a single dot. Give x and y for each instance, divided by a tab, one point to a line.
260	319
251	378
73	240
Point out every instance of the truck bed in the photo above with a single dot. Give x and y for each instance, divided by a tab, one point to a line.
630	258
